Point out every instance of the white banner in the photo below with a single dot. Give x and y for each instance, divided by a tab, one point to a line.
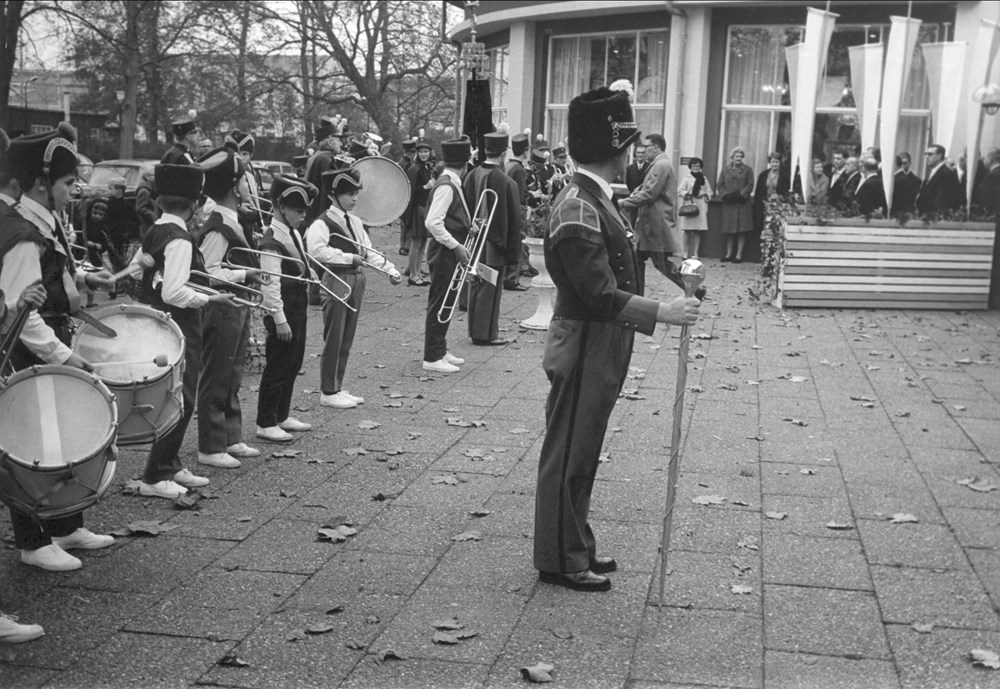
810	64
898	60
977	73
866	83
945	65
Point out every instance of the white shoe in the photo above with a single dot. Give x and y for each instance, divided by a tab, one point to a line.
242	450
189	480
219	459
291	424
274	434
440	366
13	633
453	360
357	400
52	558
84	540
337	401
162	489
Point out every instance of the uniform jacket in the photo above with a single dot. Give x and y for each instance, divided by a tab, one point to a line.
656	225
591	260
177	155
505	230
515	170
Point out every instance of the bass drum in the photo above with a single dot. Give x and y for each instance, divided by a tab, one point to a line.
385	193
57	435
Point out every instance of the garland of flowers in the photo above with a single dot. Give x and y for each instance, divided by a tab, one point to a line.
772	251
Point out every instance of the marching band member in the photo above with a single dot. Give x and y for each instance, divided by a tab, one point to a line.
328	147
448	222
286	328
598	308
503	234
172	254
516	170
34	249
225	327
343	258
186	140
249	210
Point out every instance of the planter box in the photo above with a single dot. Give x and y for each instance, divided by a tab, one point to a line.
854	263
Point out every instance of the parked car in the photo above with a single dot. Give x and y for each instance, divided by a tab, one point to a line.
131	169
269	168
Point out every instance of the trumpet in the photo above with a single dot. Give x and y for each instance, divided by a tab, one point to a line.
365	262
296	278
474	243
214	292
320	267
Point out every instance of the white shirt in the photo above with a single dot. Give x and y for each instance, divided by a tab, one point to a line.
215	246
318	242
440	202
177	270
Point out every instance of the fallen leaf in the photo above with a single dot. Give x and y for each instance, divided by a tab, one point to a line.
741	589
232	660
903	518
457	421
450	410
335	534
741	503
354	451
388	654
518	431
959	407
413	436
795	422
451	624
977	484
807	472
838	526
446	480
297	635
355	645
985	658
696	388
480	513
468	536
382	497
561	633
539	673
395	395
286	453
444	638
604	457
335	610
776	515
368	424
244	519
144	528
861	398
748	542
320	628
922	628
393	405
708	500
474	453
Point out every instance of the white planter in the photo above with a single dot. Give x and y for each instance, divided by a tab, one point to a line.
542	284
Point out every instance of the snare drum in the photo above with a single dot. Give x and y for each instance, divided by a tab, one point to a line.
149	396
57	434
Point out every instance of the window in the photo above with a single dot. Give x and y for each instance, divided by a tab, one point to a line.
757	110
41	128
499	79
581	63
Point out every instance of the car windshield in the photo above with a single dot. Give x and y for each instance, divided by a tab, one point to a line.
105	173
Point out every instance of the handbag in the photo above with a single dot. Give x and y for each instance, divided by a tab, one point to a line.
688	210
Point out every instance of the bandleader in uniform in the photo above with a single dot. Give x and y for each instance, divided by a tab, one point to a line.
598	308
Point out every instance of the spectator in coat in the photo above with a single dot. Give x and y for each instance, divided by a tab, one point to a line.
772	183
819	184
986	198
851	184
838	176
734	189
905	187
940	190
870	195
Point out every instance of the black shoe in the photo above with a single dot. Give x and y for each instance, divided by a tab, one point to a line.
725	259
403	251
578	581
603	565
514	287
529	272
418	283
737	260
490	343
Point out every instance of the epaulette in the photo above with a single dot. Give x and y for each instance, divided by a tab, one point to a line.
575	217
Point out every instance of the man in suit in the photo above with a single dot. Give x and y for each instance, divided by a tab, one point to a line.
598	308
656	225
852	172
940	191
838	176
186	138
906	186
986	198
636	171
870	194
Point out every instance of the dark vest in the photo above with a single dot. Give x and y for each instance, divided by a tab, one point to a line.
14	229
337	241
177	155
289	288
155	245
456	220
235	238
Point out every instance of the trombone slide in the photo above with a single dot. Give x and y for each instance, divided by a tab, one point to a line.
367	249
214	292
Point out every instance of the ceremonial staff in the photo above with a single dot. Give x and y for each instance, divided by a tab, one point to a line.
692	273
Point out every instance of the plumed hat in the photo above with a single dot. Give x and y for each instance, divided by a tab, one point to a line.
558	151
456	151
540	143
357	149
182	126
330	126
519	142
601	125
496	143
51	154
223	168
185	181
292	191
238	141
409	145
538	156
342	181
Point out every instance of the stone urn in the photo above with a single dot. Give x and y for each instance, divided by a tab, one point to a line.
541	284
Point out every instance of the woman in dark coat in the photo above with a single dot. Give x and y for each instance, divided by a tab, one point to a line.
733	189
773	182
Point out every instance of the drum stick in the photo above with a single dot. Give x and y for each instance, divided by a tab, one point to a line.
160	360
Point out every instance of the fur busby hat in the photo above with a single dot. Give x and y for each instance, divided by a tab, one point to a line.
496	143
519	142
50	155
238	141
330	126
409	146
182	126
223	168
342	181
185	181
601	125
292	191
357	149
456	151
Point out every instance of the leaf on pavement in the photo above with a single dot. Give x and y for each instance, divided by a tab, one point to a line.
319	628
538	673
518	431
985	658
977	484
480	513
838	526
807	472
741	589
451	624
795	422
144	528
708	500
748	542
562	633
446	480
468	536
388	654
355	645
354	451
297	635
776	515
475	453
393	405
413	436
457	421
232	660
444	638
368	424
922	628
903	518
286	453
335	534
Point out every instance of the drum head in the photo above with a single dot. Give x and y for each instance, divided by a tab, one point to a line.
143	335
385	193
56	415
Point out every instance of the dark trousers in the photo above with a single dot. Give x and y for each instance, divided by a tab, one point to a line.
587	363
339	327
31	533
284	359
163	461
225	337
661	261
441	261
484	307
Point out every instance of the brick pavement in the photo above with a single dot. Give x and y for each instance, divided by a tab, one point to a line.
797	419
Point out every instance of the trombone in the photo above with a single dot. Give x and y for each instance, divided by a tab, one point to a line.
474	243
343	300
364	261
214	292
232	285
305	269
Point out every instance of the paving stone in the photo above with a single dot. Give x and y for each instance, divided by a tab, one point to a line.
809	516
799	618
702	530
911	545
882	500
425	530
784	670
16	677
975	528
788	479
282	545
945	598
940	659
811	561
721	648
705	581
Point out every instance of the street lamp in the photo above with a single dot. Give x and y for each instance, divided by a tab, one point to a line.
988	96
